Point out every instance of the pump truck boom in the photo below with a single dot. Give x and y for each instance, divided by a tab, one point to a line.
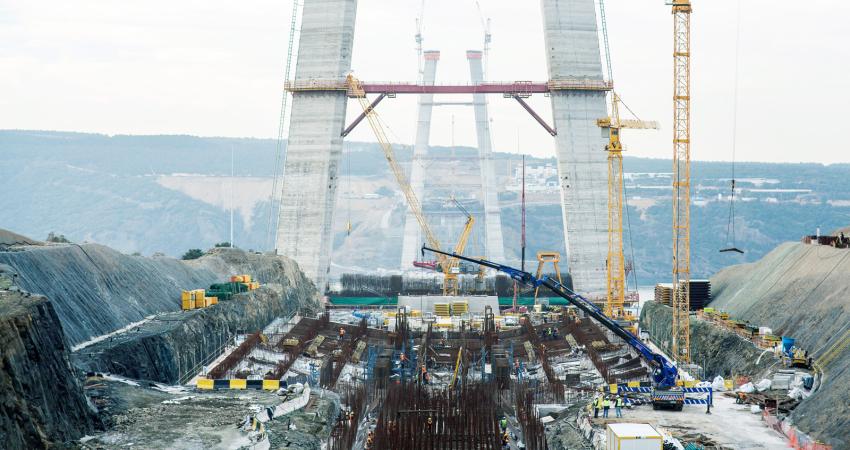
664	372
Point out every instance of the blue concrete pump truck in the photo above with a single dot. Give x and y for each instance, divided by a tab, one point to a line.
665	392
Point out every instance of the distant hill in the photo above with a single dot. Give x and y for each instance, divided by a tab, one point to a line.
169	193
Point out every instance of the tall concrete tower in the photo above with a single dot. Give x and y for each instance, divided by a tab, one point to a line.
313	153
572	50
412	240
494	245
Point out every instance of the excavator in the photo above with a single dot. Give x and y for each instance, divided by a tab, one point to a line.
665	392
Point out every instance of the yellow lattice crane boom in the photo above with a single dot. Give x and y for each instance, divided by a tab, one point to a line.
616	272
681	180
356	90
450	286
446	265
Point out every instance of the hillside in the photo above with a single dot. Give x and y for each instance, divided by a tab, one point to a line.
801	291
166	194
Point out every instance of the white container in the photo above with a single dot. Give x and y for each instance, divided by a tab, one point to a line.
632	436
765	330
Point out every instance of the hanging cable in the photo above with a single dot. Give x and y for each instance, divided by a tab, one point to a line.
730	224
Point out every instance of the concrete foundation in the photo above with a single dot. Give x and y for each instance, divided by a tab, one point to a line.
572	50
313	152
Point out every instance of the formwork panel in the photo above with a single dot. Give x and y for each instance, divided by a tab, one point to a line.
572	50
310	174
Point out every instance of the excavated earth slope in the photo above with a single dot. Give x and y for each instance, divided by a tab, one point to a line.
801	291
96	290
170	347
41	400
720	352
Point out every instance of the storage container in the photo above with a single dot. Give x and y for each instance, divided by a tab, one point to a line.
632	436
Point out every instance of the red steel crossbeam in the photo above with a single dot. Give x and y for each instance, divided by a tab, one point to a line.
517	91
482	88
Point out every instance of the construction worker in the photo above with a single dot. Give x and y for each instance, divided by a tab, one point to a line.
606	405
618	406
597	403
341	333
503	424
506	440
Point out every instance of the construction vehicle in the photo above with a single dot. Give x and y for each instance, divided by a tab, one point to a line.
665	391
448	266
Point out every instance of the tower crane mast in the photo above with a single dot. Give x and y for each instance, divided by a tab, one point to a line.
681	179
615	263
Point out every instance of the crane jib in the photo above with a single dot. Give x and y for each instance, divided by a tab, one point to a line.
665	372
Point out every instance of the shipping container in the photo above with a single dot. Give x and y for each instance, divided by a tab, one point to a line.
632	436
187	304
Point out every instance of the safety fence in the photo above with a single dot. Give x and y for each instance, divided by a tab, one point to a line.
796	439
266	385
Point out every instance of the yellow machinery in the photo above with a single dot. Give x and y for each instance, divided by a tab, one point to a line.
681	179
543	258
616	272
448	265
450	285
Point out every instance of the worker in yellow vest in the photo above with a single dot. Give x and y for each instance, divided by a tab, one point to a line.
597	403
606	405
618	406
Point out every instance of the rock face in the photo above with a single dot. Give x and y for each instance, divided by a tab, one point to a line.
171	347
801	291
720	352
96	290
41	400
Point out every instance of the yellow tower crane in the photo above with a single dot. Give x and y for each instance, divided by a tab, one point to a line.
681	179
445	264
616	272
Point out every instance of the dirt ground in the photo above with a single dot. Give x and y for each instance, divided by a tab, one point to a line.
145	417
730	426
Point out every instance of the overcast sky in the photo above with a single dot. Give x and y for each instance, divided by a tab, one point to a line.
215	68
